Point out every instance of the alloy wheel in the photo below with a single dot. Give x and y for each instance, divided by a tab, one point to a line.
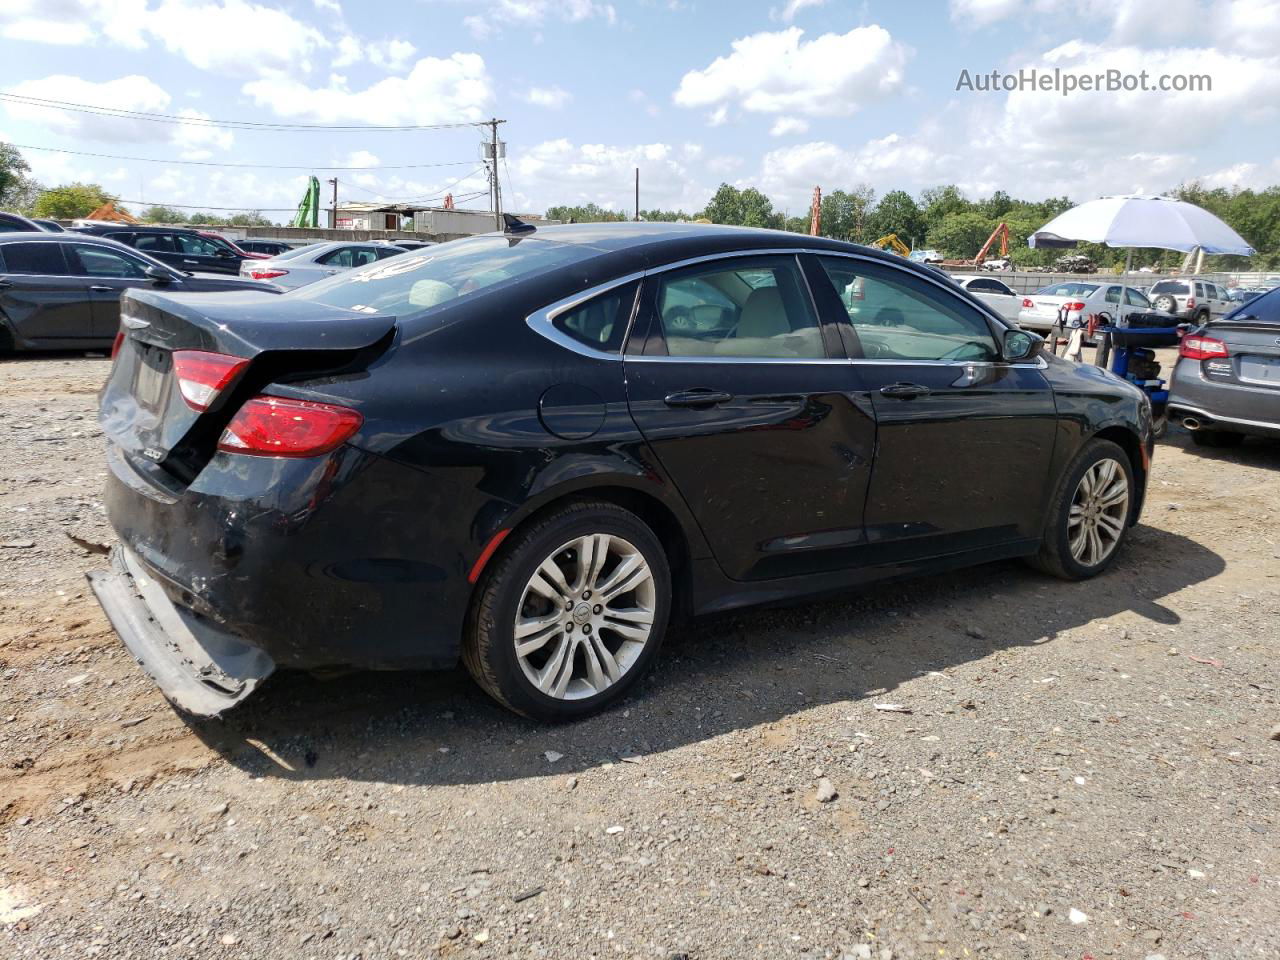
1099	510
585	616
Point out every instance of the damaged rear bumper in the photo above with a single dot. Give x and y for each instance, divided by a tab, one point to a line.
202	669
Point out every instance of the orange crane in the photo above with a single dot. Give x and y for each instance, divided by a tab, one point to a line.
1002	232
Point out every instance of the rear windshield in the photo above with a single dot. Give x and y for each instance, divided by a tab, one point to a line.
1171	286
1264	307
1067	290
412	282
289	254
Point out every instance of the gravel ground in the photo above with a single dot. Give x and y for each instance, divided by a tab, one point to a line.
1079	770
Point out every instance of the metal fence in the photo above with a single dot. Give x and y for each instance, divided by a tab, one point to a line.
1023	282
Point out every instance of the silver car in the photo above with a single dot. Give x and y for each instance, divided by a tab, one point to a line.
316	261
1191	298
1226	384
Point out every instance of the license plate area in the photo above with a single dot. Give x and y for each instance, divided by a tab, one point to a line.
1260	370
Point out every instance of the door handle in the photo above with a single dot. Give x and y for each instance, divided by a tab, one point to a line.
102	288
196	262
904	391
700	397
5	284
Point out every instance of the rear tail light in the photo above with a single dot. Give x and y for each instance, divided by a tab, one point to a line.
266	273
282	427
1026	303
202	376
117	344
1202	348
1074	305
1191	302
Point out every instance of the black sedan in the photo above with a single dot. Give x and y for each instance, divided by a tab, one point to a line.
533	451
61	291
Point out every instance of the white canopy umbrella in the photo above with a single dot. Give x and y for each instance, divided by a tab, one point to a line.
1139	221
1132	221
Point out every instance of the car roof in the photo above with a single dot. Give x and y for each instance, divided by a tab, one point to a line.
133	228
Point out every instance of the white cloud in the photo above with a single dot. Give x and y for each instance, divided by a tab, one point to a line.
532	13
388	54
788	13
234	36
1250	26
553	98
126	93
1144	22
198	141
834	74
559	171
434	91
786	126
74	22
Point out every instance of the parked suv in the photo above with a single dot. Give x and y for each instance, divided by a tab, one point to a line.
191	251
1191	298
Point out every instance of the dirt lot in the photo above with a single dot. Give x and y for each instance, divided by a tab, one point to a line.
1087	770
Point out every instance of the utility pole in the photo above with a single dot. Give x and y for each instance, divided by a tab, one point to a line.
637	193
495	186
333	215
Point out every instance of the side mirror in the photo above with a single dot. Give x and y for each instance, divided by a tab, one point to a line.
1021	345
158	275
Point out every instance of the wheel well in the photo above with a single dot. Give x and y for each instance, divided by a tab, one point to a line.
1128	441
664	523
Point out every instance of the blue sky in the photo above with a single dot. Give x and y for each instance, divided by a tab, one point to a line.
782	95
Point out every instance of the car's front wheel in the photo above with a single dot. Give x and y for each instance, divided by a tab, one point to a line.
572	612
1089	515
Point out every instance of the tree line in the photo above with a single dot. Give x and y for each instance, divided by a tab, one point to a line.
942	218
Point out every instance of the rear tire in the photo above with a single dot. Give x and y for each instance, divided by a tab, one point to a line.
1216	438
1201	318
1089	515
571	613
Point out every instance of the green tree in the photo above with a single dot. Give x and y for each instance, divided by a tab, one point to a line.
725	206
897	213
584	213
844	213
163	215
960	234
747	208
664	216
70	201
940	202
16	188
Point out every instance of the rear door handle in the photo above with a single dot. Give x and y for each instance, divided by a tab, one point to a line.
196	262
102	288
5	284
700	397
905	391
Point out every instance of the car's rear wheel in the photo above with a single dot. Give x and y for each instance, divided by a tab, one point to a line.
1216	438
571	614
1089	515
1201	318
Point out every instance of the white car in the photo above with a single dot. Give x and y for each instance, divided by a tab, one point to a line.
998	296
1078	300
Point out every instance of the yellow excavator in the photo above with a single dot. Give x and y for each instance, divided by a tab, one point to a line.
891	242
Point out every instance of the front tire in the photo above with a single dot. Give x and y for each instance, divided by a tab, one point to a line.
1089	516
571	614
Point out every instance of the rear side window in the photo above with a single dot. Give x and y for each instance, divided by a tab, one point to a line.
349	257
38	258
154	243
754	307
384	253
94	261
898	316
601	322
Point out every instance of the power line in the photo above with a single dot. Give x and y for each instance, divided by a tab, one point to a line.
260	166
30	101
252	209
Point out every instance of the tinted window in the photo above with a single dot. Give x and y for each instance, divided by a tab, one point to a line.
1113	295
1263	306
384	252
154	243
900	316
411	283
1171	286
195	246
983	285
756	307
42	258
601	322
95	261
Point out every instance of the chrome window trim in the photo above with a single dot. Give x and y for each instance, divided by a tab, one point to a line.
542	321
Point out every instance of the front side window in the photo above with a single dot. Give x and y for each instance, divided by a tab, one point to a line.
154	243
95	261
754	307
898	316
37	258
348	257
601	322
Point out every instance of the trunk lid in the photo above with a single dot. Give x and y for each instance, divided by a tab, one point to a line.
1254	347
142	410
